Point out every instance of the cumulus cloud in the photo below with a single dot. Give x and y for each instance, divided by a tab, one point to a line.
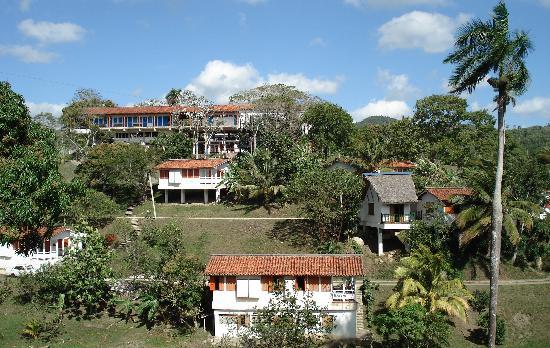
397	86
36	108
49	32
394	3
27	54
219	80
537	105
432	32
382	107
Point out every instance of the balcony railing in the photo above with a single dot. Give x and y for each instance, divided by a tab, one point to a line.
343	295
400	218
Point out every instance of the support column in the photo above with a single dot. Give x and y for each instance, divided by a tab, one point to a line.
217	195
205	196
165	196
182	196
380	243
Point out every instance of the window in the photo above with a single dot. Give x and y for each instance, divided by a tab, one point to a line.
237	320
164	174
371	209
174	177
163	121
250	288
230	283
300	283
242	287
313	283
325	284
118	121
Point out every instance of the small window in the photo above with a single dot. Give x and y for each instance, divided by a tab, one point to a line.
371	208
164	174
300	284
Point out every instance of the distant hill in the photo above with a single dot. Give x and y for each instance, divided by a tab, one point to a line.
375	120
533	138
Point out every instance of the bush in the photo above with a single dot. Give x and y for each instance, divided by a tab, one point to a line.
480	300
483	321
413	326
94	207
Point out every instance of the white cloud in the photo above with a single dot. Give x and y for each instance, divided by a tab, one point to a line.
394	3
48	32
27	54
397	86
318	41
219	80
545	3
382	107
537	105
306	84
432	32
253	2
36	108
24	5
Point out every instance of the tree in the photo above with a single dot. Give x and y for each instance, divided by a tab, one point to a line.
413	326
483	48
330	199
172	96
287	322
173	145
93	207
426	278
119	170
329	128
433	233
47	119
33	194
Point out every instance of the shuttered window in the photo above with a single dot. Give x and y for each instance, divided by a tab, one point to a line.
164	174
325	284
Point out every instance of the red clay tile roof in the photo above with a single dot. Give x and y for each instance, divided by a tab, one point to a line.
42	231
445	193
136	110
191	163
290	265
398	164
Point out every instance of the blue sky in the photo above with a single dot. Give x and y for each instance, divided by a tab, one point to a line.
369	56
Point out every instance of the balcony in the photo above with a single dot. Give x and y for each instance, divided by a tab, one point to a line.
343	295
400	218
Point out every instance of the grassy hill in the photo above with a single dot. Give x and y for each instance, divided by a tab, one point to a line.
375	120
532	138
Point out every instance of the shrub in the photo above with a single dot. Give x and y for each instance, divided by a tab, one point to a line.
367	297
483	321
480	300
111	240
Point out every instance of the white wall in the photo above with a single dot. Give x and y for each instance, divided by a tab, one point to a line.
213	181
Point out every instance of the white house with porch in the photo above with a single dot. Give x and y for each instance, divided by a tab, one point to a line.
50	251
389	205
241	284
186	176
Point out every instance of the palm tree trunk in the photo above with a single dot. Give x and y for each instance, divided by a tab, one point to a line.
496	221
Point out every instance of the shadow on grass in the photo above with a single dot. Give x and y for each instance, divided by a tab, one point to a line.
297	233
477	336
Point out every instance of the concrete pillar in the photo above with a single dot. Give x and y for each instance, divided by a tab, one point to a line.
205	196
217	195
182	196
165	196
380	243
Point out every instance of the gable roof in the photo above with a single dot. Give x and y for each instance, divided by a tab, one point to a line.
392	188
162	109
191	163
398	164
445	193
281	265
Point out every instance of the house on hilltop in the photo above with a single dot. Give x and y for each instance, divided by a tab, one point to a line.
440	198
389	205
240	284
191	176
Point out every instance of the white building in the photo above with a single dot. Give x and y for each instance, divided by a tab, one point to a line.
389	205
51	251
190	176
240	284
440	199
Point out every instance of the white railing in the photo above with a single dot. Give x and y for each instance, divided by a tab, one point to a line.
343	295
44	255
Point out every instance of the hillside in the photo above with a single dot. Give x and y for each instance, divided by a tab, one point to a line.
375	120
532	138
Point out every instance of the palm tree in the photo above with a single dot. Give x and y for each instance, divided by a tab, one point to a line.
172	97
484	48
424	279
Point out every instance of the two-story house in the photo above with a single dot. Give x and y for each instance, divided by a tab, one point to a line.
241	284
142	124
50	251
389	205
191	176
439	198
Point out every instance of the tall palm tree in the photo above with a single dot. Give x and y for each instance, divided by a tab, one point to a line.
424	279
482	49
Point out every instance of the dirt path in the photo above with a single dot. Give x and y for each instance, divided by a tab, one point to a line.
215	218
504	282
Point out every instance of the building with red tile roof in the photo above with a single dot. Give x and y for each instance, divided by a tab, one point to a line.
241	284
441	198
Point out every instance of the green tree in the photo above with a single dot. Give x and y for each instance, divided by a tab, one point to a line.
174	145
413	326
287	322
329	128
33	194
172	96
426	278
119	170
433	233
330	199
47	119
93	207
483	48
